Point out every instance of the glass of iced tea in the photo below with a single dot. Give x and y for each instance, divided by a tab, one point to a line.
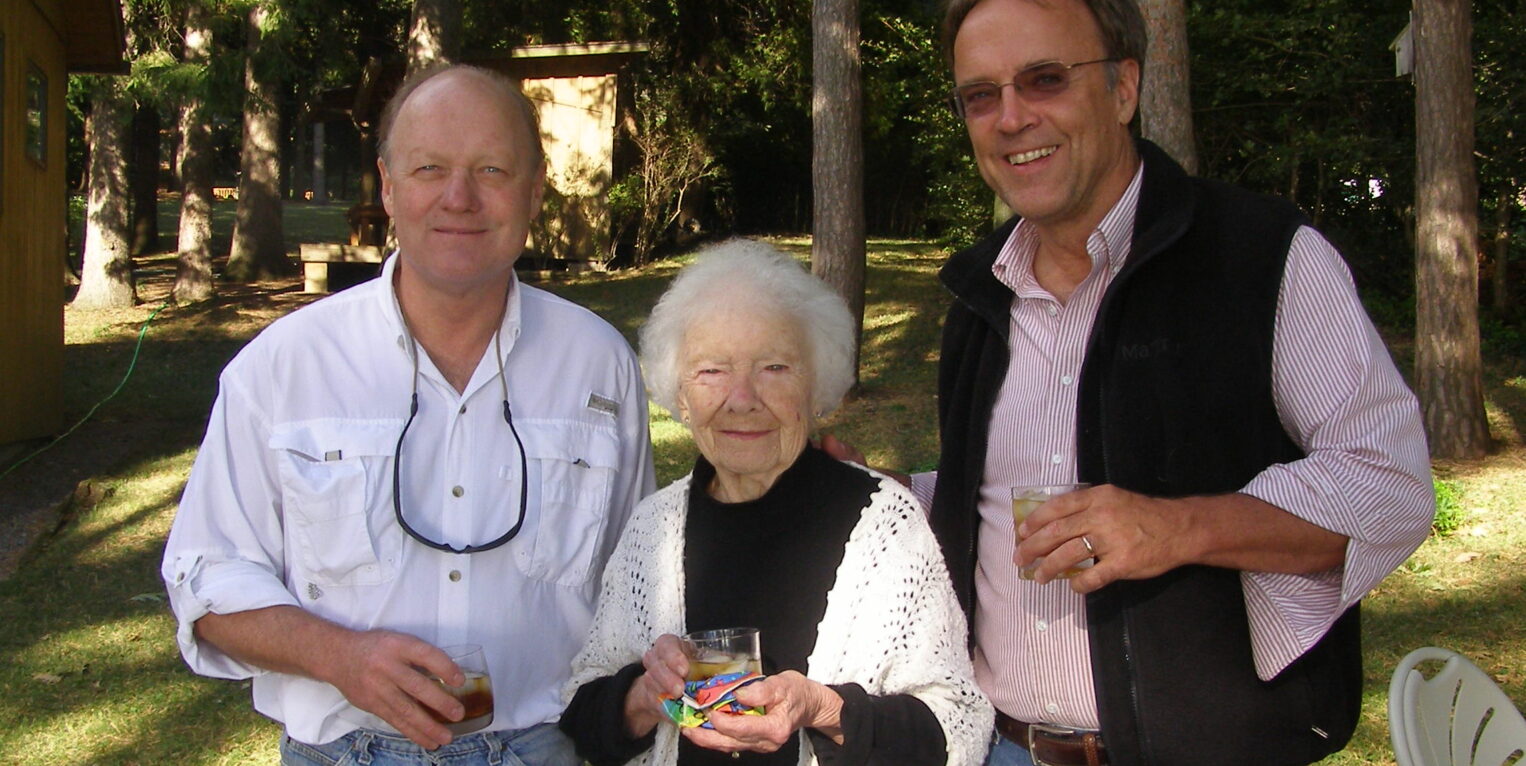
728	650
475	693
1025	500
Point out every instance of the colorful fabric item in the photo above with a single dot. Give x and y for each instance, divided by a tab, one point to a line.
713	693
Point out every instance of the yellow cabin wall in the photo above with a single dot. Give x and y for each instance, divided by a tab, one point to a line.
32	219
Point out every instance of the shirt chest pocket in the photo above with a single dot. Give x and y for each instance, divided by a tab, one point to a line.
572	469
338	530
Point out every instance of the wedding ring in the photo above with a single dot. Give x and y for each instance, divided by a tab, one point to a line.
1089	549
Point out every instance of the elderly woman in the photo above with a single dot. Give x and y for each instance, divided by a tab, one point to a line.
863	642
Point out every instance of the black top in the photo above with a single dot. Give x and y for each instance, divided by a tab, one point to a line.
768	563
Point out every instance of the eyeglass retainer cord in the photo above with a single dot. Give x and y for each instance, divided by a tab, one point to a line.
508	417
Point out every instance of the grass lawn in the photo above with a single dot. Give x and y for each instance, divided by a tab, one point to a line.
88	667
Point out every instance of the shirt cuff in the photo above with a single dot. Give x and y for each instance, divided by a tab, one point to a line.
922	487
1288	614
198	587
595	719
896	728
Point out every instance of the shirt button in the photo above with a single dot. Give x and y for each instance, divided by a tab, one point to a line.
1056	458
463	409
1041	625
1051	309
455	575
1052	709
458	491
1066	380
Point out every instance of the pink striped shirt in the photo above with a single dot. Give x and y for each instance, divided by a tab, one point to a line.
1338	395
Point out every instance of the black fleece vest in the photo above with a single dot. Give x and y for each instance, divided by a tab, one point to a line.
1175	399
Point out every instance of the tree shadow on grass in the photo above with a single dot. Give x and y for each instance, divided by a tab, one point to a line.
1475	620
87	650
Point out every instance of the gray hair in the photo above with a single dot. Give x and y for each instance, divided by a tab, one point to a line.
499	81
1122	27
764	274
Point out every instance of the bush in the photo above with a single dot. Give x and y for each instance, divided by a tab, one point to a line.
1448	510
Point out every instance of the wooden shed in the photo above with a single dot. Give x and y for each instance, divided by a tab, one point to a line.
576	90
41	42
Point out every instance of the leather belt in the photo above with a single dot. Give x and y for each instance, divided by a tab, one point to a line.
1051	745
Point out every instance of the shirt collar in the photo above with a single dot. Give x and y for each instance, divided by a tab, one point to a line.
1110	242
508	331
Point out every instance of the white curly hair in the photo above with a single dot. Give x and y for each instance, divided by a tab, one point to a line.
769	279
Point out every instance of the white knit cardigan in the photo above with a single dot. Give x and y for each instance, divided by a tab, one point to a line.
892	623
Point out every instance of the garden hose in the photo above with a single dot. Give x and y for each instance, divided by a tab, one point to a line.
130	367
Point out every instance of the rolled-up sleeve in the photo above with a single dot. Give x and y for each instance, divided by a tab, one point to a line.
225	550
1366	474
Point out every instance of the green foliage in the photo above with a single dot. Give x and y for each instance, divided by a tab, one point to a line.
1298	98
1448	509
913	134
737	75
1499	37
1292	97
1502	339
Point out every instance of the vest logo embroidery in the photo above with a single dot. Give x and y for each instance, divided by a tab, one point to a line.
1156	349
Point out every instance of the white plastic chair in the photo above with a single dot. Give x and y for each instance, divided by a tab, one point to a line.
1458	717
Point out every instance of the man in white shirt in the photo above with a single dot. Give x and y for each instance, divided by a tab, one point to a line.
438	457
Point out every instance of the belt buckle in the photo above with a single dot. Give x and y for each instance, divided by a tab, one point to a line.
1035	730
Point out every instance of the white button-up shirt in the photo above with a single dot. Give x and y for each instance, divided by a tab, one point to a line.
290	500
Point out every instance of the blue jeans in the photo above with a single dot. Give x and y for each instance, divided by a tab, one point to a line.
540	745
1005	752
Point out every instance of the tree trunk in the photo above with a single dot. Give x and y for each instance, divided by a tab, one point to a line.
259	249
1448	363
296	173
434	34
367	115
837	160
1501	283
106	280
1165	104
193	271
145	179
320	174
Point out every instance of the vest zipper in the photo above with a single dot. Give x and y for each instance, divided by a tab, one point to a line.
1128	647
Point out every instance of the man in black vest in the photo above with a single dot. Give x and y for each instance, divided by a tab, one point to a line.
1198	355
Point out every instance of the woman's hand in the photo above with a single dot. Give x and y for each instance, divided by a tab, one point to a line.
666	664
792	702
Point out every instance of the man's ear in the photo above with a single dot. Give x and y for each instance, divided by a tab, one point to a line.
1126	90
386	185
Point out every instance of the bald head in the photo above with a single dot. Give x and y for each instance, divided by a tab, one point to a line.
493	85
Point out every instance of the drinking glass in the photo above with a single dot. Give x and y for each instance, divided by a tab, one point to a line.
475	693
1026	499
728	650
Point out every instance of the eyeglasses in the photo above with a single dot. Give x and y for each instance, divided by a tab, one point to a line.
1036	83
397	462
